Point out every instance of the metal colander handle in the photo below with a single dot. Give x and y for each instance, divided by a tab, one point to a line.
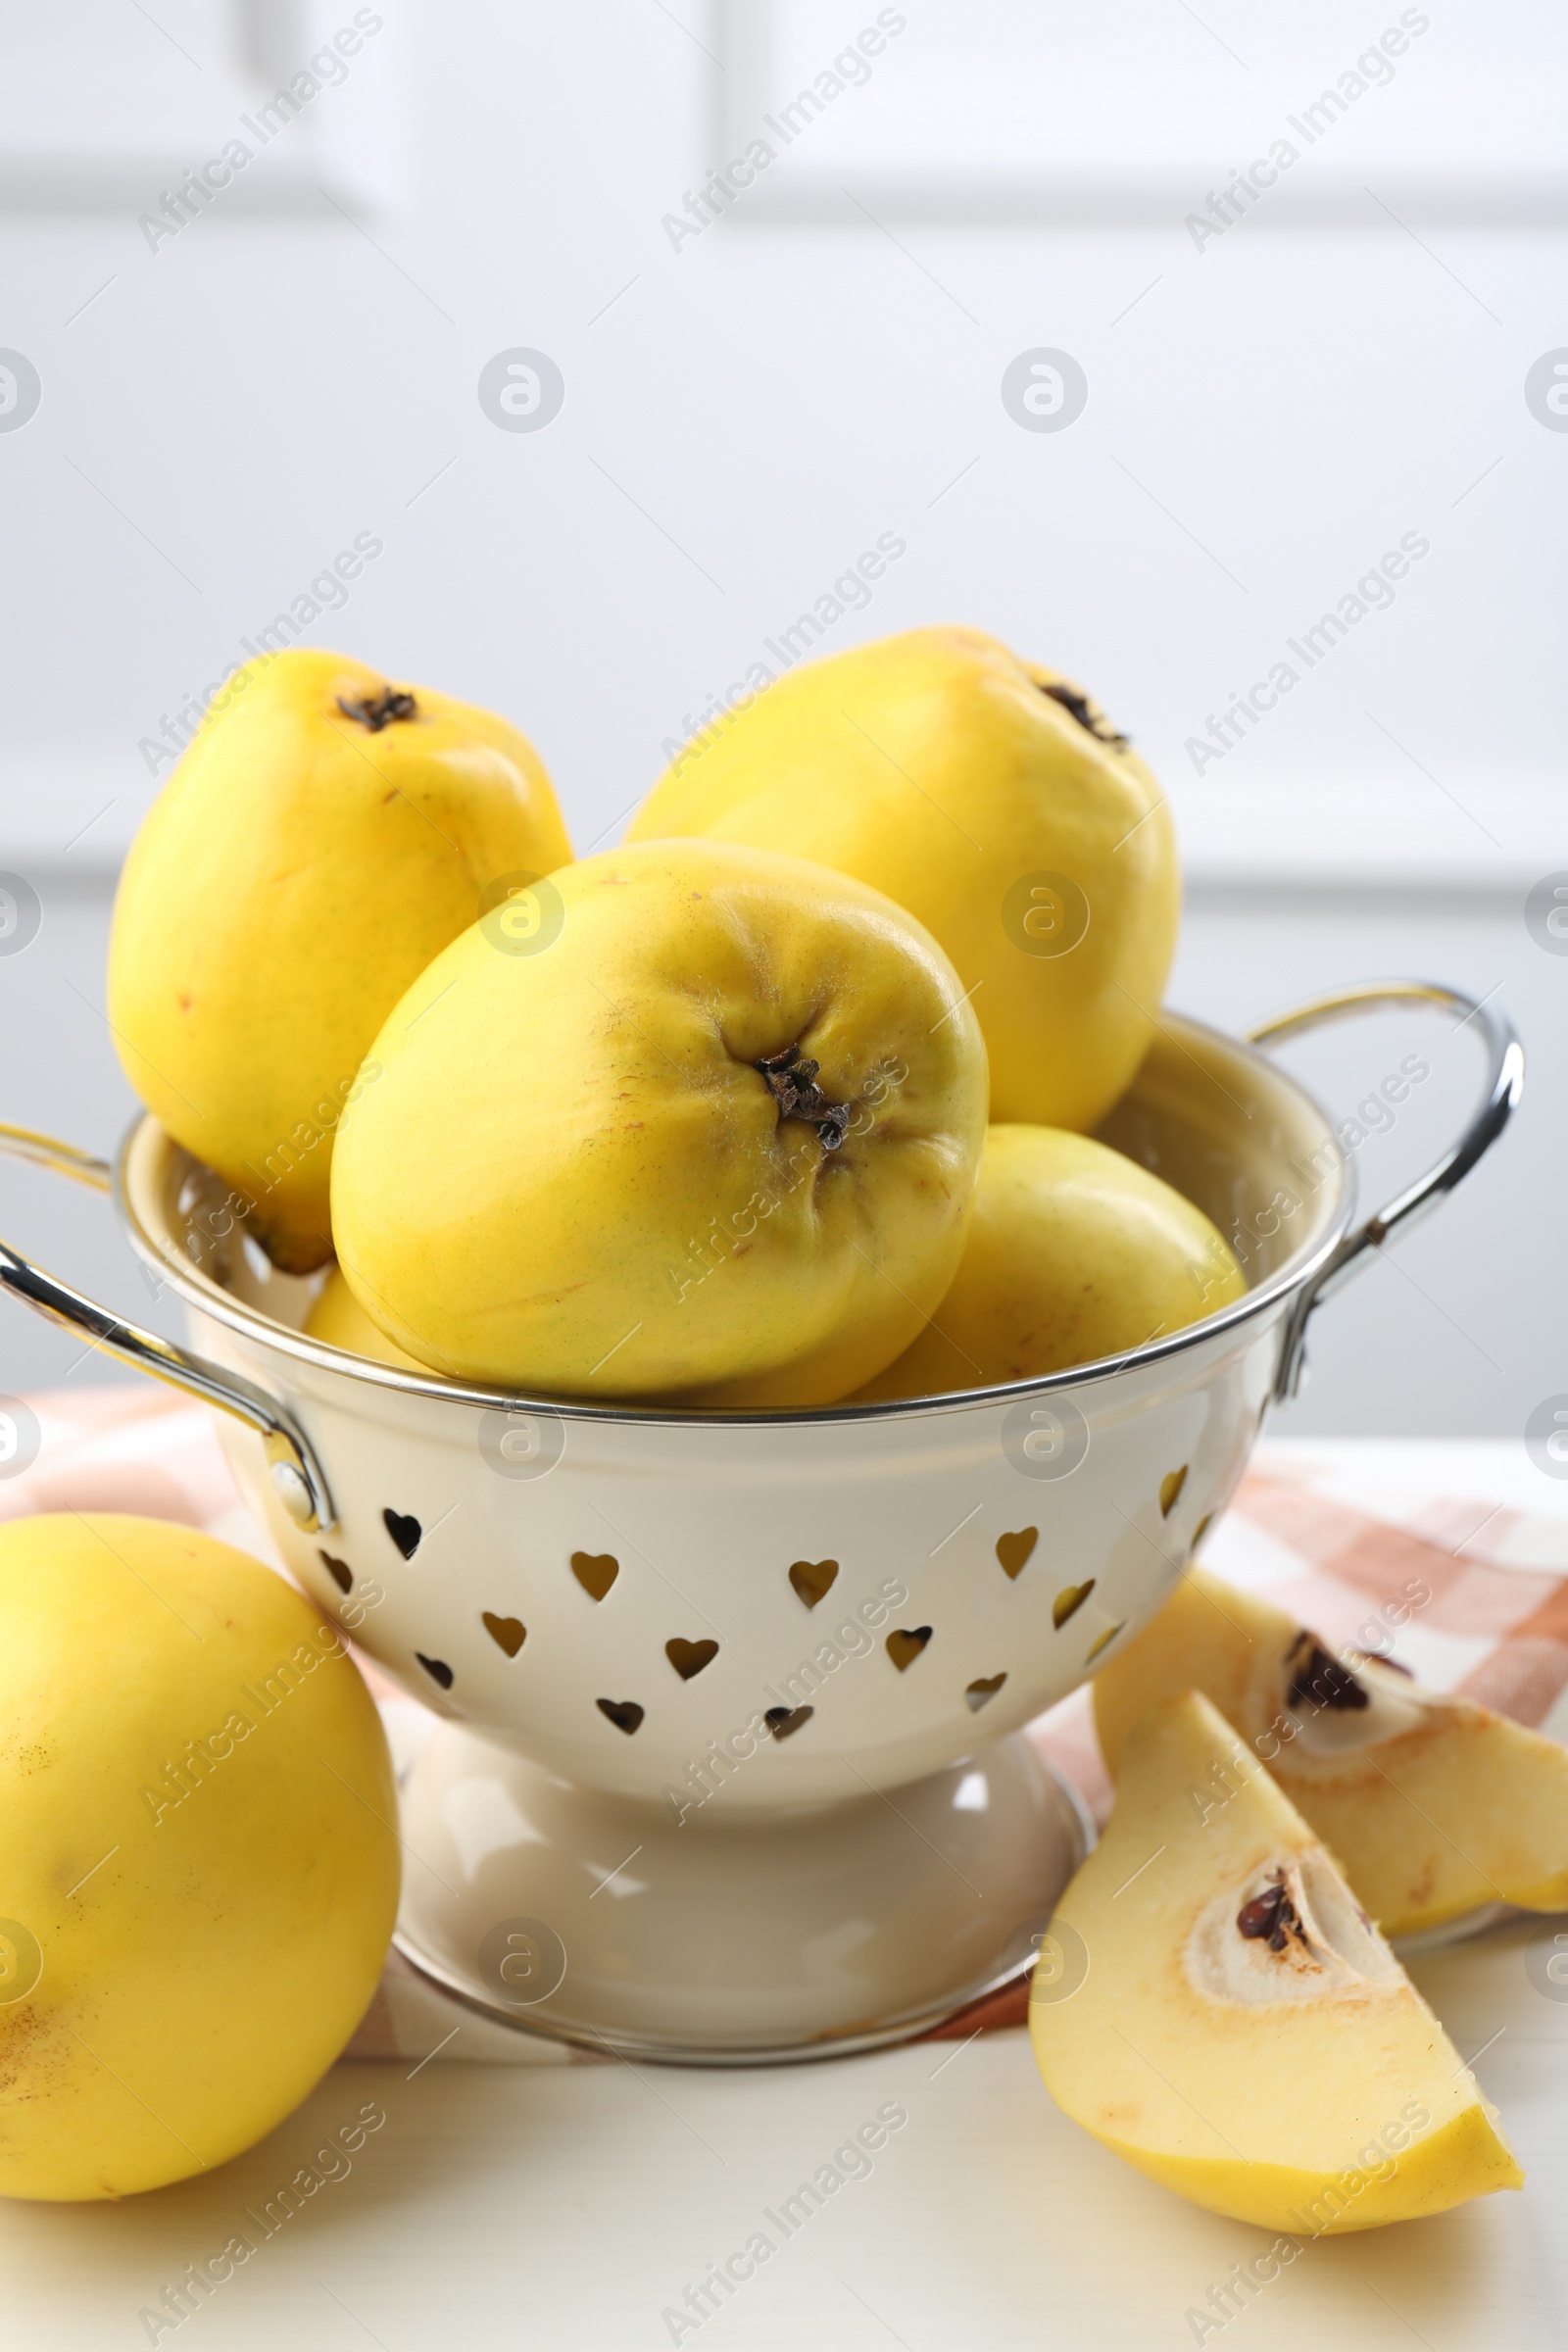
295	1473
1504	1083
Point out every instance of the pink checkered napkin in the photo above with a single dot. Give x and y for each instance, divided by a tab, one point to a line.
1337	1531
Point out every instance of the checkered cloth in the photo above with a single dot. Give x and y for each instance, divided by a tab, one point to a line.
1348	1534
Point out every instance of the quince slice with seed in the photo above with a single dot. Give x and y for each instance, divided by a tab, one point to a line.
1231	2023
1434	1804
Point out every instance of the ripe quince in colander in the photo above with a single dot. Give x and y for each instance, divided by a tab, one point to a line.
993	799
1074	1254
323	836
687	1120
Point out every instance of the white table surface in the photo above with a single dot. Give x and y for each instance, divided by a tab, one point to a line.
544	2209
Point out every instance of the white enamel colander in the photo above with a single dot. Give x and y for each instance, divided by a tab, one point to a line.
728	1764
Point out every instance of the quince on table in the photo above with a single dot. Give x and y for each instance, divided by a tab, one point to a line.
199	1859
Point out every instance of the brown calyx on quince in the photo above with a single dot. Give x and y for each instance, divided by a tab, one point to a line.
791	1080
377	711
1088	716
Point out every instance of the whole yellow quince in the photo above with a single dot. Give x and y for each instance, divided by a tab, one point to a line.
996	803
325	835
1074	1254
199	1859
338	1320
695	1119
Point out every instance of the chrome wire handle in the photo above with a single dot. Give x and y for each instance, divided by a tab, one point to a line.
295	1473
1504	1084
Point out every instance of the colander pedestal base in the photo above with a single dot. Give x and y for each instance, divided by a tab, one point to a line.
732	1935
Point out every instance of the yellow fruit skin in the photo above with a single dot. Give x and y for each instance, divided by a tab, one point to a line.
1461	2159
1074	1254
338	1320
934	766
294	874
1463	1809
200	1970
1277	2110
573	1178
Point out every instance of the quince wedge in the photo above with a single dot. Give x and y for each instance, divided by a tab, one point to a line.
1214	2006
1075	1253
992	797
1435	1804
707	1130
323	837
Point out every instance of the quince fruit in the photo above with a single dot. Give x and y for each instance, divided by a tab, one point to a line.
1434	1804
1075	1253
709	1128
1213	2005
325	835
339	1321
199	1870
990	798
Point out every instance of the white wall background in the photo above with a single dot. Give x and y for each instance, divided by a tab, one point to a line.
746	408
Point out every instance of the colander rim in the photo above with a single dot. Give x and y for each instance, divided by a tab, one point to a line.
211	1299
